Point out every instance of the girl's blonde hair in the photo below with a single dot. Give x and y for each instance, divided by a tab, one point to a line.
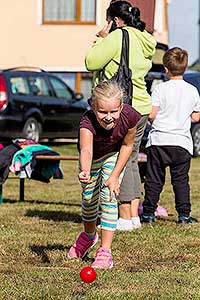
106	90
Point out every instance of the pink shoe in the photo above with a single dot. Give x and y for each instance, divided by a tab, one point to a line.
82	245
161	212
103	259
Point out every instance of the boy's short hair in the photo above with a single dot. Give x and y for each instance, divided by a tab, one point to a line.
175	60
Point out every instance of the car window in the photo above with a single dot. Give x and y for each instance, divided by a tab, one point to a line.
60	89
193	79
19	85
39	86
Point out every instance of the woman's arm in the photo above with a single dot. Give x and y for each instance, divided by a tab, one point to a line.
124	154
103	51
105	30
86	154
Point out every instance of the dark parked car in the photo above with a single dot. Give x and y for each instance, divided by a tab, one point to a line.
36	104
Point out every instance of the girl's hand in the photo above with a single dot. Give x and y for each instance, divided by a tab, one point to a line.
105	31
113	184
84	177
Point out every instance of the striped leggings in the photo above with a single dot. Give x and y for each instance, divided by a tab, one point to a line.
96	194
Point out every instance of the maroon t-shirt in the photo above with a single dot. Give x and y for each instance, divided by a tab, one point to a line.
106	141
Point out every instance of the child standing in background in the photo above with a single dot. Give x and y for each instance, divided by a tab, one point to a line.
174	104
106	137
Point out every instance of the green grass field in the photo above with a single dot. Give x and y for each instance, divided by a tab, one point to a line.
160	262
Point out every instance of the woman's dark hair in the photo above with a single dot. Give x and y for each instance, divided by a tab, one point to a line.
125	11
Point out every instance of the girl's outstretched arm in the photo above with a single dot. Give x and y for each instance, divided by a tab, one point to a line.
86	154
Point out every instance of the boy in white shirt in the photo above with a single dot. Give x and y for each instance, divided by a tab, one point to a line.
174	104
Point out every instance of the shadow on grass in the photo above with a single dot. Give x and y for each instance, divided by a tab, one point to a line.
40	202
56	215
166	219
41	251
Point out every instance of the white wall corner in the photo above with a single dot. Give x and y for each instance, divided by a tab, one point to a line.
98	12
158	16
39	12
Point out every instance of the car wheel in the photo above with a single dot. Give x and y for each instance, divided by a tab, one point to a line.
32	129
196	139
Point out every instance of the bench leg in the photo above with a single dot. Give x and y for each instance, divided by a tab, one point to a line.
1	193
21	189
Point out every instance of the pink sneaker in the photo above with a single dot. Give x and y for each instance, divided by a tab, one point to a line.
82	245
103	259
161	212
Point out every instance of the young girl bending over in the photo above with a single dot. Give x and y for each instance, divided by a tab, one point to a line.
106	135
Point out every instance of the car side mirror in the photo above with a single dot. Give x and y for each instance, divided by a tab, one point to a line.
78	96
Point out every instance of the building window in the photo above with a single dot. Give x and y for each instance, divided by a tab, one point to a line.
69	11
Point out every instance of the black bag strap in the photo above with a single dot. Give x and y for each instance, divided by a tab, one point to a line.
125	48
124	59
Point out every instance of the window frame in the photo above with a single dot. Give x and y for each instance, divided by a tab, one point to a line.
78	16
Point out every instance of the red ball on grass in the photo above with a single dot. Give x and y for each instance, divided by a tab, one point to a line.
88	274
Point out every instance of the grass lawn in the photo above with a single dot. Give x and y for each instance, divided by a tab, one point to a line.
160	262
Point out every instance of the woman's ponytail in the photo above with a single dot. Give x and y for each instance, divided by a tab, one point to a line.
129	14
136	21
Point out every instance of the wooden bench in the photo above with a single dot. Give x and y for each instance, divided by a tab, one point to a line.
22	178
141	159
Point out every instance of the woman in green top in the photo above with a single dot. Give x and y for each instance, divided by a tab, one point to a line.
104	53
